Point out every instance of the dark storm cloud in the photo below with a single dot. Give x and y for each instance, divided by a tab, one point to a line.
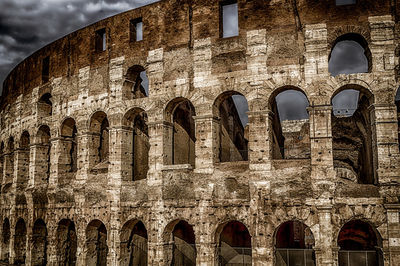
348	57
28	25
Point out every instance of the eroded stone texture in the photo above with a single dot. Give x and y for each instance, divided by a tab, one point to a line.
96	170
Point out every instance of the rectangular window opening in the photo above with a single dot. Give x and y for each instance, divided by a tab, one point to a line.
45	69
345	2
136	30
100	40
229	19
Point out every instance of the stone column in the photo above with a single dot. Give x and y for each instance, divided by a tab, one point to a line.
322	172
85	162
29	244
38	165
160	141
206	143
323	248
12	240
392	256
21	176
8	170
52	246
81	245
57	155
259	140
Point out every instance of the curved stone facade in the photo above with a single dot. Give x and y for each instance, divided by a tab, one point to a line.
96	170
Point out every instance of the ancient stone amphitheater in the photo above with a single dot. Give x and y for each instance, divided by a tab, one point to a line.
123	144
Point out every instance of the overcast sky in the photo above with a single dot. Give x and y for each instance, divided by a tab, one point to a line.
28	25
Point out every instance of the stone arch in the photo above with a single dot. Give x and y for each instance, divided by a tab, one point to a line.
180	148
138	143
96	243
181	243
294	243
233	243
134	249
359	39
39	243
290	134
353	135
67	242
5	241
359	241
9	161
20	242
232	135
134	85
45	105
24	160
99	130
69	146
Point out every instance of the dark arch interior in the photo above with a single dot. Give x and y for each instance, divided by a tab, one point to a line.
43	137
66	242
290	124
45	105
352	136
234	244
140	147
184	249
136	83
134	244
350	54
96	244
183	135
233	130
20	242
39	243
6	234
359	244
100	139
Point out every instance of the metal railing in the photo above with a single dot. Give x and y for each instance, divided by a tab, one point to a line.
358	258
294	257
234	256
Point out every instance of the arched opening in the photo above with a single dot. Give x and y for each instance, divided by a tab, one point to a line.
43	152
294	243
23	160
289	124
39	243
360	244
136	84
181	249
352	135
96	243
397	102
20	242
231	108
68	158
45	105
9	161
234	246
5	241
180	112
99	147
350	54
139	149
66	243
133	244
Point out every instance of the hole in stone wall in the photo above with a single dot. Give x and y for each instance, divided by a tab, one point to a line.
359	245
24	160
99	147
345	2
134	244
66	243
39	243
290	124
96	244
43	152
350	54
229	19
294	244
136	30
100	40
352	135
231	108
20	242
182	250
136	84
69	156
6	234
45	106
234	247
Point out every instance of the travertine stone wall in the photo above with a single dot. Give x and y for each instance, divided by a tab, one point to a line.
86	215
